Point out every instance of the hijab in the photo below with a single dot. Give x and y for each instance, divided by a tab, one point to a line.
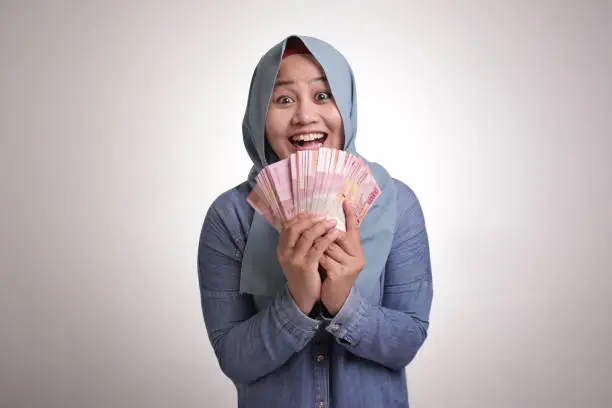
261	273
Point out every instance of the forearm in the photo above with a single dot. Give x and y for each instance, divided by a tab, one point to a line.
387	336
248	349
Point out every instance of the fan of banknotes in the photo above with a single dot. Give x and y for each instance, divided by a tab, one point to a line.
317	181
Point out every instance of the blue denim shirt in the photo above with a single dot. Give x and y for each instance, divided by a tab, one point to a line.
277	356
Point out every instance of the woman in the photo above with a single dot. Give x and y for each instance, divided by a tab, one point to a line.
284	335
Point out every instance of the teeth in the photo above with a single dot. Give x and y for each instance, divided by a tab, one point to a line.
307	137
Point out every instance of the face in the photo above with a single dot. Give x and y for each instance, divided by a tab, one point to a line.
302	114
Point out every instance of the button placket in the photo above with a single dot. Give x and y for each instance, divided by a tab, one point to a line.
320	358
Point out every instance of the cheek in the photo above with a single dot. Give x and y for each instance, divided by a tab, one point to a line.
274	125
339	130
334	121
338	121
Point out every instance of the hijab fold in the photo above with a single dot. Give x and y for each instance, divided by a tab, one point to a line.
261	273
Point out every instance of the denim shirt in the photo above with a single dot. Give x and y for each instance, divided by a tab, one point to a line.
277	356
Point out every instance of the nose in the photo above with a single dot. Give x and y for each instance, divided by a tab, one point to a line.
305	113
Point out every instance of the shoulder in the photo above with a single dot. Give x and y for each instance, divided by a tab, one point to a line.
235	197
230	213
409	211
405	196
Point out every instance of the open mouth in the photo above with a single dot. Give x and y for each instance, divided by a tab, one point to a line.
308	140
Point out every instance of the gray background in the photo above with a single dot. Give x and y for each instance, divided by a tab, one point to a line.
120	123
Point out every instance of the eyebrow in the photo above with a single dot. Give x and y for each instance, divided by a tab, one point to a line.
290	82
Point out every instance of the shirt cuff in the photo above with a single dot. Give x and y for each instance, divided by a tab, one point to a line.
345	326
300	326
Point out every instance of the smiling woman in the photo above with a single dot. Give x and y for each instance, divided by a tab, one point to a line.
284	333
302	113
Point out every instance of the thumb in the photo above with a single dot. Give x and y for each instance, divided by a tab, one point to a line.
351	219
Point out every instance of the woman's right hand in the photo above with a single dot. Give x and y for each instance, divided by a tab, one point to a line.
301	244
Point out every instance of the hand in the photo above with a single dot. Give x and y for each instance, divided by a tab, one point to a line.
342	261
301	244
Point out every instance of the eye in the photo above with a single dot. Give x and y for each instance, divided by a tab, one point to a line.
322	96
283	100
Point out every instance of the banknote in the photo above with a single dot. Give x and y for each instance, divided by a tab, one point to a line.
317	181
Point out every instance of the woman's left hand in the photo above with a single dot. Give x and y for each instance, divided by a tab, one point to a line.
342	261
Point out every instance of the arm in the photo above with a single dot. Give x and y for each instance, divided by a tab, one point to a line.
248	345
392	333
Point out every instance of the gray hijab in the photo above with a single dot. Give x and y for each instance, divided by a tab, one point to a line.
261	272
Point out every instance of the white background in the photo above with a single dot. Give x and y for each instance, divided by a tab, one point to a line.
120	122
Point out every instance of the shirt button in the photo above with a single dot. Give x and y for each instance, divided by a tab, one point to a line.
320	357
334	327
321	404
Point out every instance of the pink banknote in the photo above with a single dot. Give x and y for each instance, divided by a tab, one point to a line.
314	180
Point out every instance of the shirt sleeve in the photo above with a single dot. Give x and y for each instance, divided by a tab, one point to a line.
392	333
247	344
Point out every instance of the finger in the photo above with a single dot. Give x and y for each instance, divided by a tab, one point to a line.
329	264
321	244
308	237
295	230
290	233
345	241
300	216
336	252
352	227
